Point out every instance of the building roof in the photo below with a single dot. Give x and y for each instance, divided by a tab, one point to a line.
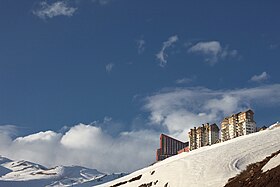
173	138
249	110
215	126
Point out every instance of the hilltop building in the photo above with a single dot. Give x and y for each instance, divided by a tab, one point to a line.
232	126
238	124
169	147
203	135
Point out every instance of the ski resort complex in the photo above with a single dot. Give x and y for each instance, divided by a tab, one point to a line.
216	165
239	124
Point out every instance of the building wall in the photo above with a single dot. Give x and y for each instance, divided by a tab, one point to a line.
169	147
225	130
238	124
213	134
186	149
203	135
193	138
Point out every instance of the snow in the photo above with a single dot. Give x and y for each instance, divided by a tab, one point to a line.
275	125
272	163
23	173
210	166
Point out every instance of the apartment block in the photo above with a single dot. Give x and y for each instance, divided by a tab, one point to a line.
238	124
203	135
169	146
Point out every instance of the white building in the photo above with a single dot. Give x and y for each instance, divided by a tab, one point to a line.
203	135
238	124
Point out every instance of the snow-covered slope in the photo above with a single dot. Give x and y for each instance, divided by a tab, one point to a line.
207	166
23	173
273	163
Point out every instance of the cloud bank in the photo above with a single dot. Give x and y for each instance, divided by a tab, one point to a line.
161	55
84	145
212	51
171	111
59	8
178	110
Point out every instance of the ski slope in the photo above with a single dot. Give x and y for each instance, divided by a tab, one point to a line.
210	166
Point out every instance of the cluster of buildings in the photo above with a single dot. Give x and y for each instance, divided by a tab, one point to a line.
232	126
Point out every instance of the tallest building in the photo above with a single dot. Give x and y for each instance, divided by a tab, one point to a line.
238	124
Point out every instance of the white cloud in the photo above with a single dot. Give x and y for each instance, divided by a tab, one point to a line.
212	47
72	138
9	130
180	109
213	51
102	2
41	136
109	67
273	46
6	134
161	55
141	46
184	80
59	8
260	78
107	119
84	145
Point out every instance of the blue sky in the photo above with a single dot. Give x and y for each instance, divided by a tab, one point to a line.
128	66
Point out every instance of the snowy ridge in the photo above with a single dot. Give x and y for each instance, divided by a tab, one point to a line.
19	173
207	166
272	163
275	125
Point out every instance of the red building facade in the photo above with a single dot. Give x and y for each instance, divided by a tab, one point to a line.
186	149
169	147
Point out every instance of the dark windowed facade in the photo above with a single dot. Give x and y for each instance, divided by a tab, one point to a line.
169	147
